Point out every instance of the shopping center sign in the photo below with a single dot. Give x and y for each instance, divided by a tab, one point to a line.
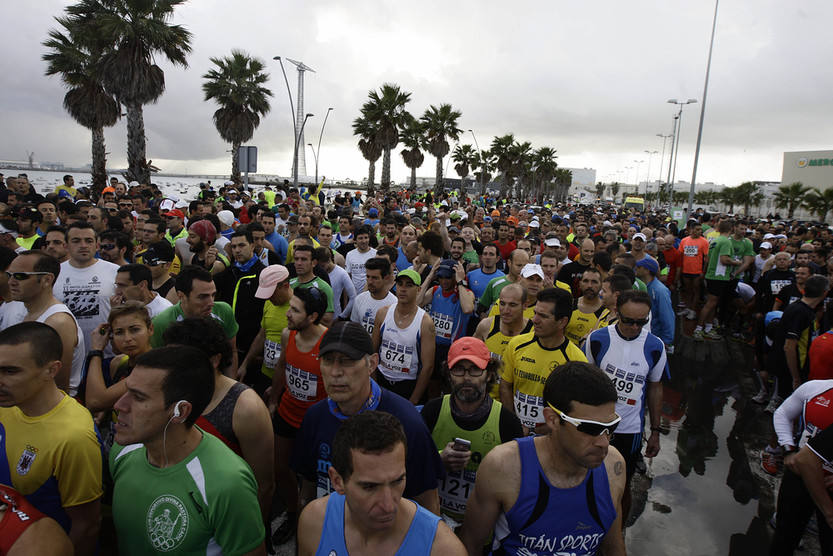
805	162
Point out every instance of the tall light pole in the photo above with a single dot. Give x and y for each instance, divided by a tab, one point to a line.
316	152
295	157
702	114
636	178
294	125
648	179
662	157
482	162
675	149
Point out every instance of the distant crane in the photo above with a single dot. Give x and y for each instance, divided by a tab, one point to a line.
300	116
31	157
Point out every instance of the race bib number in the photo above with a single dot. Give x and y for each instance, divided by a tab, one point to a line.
368	320
302	385
455	491
271	353
529	409
443	324
690	250
395	357
628	385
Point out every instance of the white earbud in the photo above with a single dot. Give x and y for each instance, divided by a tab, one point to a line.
177	411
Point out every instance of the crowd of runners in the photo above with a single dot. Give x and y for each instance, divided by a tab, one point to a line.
386	374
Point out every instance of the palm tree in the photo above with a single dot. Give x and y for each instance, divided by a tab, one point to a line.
136	32
369	146
600	190
545	167
412	136
440	126
503	159
386	108
790	197
729	197
614	190
521	156
748	195
484	166
74	56
237	85
563	181
819	202
465	156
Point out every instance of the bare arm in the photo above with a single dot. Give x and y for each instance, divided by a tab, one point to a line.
791	353
257	346
327	319
426	291
808	466
279	378
232	368
377	327
654	412
310	524
466	299
430	500
85	520
427	349
483	329
494	481
506	395
65	326
44	538
253	427
98	396
446	542
306	493
614	541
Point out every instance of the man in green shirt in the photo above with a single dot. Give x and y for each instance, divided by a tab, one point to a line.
177	489
514	264
196	290
307	279
719	279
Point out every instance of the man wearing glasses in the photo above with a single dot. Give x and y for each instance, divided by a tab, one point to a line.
561	492
634	360
467	424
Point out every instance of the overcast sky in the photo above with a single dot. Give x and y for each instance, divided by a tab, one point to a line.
588	78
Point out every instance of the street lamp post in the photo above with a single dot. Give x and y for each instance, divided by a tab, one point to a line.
648	179
294	125
316	152
661	157
295	156
675	142
636	178
702	114
482	162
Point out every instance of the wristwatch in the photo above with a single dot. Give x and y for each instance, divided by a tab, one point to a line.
95	353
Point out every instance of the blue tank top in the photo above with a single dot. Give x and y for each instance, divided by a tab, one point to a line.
418	540
450	322
549	520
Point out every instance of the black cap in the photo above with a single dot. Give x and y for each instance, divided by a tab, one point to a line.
347	337
29	213
159	252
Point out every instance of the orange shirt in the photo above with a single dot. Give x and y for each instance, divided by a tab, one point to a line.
304	385
693	252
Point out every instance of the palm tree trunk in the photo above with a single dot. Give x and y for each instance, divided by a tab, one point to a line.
235	162
482	183
504	187
438	183
99	167
371	175
462	187
385	170
136	145
413	178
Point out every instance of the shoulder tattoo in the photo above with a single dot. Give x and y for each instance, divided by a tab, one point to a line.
618	467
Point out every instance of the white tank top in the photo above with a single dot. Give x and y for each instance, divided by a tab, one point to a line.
79	354
399	350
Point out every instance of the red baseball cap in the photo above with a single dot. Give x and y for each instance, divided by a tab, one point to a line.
471	349
175	212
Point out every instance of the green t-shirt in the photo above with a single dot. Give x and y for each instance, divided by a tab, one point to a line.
640	285
722	245
492	291
471	257
273	322
222	312
318	283
205	504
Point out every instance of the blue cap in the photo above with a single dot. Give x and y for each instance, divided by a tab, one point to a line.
373	212
446	268
771	316
650	264
487	219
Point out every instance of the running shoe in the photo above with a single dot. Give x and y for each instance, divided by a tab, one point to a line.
681	311
773	404
713	334
691	314
771	460
762	396
698	334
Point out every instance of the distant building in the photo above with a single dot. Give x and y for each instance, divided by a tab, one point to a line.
812	168
583	178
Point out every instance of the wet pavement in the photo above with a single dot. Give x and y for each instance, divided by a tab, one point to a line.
705	493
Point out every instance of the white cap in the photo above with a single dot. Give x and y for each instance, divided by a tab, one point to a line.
534	224
226	217
639	235
134	183
552	242
228	182
766	245
166	205
607	223
769	236
530	269
181	204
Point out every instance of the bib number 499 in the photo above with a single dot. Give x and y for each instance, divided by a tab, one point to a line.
625	386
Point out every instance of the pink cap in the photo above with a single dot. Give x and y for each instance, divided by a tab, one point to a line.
471	349
270	277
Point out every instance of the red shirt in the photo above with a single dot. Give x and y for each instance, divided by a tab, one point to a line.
506	249
673	259
304	385
821	357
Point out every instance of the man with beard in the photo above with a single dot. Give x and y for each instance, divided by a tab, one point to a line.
588	309
28	219
305	227
571	273
356	259
176	230
276	240
55	243
517	261
505	243
306	278
792	292
201	237
391	236
563	488
479	278
116	247
468	414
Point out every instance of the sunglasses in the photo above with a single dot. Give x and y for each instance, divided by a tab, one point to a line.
24	275
629	321
592	428
107	246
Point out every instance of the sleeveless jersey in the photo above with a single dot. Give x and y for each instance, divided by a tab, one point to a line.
220	419
497	341
456	487
80	351
19	515
526	365
449	319
585	512
273	322
417	542
399	349
631	365
581	323
304	386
